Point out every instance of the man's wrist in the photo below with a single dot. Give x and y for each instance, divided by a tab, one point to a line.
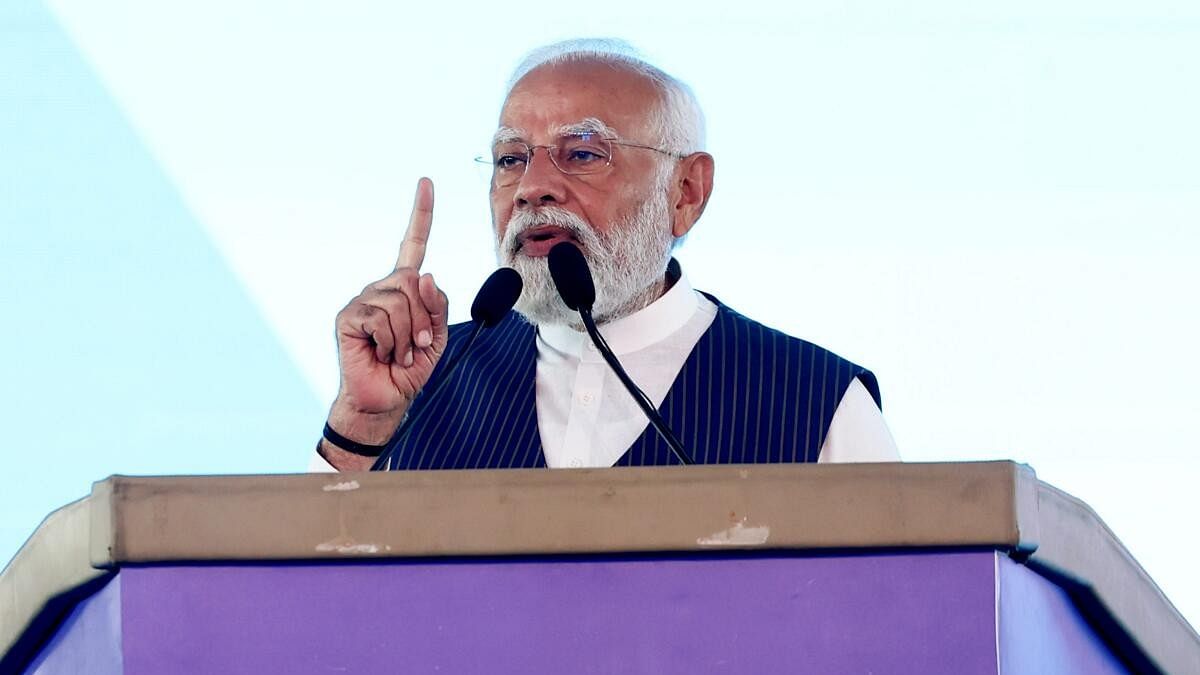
366	428
342	460
362	449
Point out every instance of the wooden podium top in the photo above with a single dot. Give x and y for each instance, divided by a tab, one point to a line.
828	507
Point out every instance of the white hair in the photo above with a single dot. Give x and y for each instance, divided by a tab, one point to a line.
678	121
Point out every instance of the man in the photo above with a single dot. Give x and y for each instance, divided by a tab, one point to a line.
598	148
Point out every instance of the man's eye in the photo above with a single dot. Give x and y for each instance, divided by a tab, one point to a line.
509	161
584	156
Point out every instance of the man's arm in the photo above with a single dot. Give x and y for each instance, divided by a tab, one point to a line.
858	432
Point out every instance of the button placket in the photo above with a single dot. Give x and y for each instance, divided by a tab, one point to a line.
581	419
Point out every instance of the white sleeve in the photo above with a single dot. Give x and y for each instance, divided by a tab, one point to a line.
318	464
857	432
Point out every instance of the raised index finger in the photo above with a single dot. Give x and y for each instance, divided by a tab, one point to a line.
412	249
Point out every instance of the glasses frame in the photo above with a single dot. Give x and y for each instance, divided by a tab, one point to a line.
550	148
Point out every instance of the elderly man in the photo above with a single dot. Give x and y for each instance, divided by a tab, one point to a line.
601	149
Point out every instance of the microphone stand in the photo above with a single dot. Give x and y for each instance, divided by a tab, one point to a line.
381	464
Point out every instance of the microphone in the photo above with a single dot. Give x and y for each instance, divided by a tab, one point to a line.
496	297
492	303
573	279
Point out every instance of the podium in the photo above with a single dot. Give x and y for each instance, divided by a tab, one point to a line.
855	568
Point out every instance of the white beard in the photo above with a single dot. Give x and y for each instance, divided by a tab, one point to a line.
628	263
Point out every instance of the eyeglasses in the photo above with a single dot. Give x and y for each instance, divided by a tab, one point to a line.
572	154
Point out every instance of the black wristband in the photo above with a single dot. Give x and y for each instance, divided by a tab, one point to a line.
360	449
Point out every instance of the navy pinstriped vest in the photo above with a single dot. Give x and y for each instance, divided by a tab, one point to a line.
746	394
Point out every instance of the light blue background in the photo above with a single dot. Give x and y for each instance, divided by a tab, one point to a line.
996	208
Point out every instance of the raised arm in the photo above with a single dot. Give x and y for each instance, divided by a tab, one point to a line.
389	339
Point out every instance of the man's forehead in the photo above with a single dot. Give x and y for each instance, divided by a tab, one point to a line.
557	95
587	125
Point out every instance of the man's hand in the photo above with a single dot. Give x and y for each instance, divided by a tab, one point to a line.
389	339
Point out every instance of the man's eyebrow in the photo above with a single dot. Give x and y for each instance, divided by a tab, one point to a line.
507	135
588	125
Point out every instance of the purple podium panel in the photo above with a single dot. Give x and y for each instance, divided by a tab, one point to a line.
902	613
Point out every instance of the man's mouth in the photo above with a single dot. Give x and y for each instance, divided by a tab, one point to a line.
537	242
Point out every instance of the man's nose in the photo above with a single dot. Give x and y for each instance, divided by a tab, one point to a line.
542	184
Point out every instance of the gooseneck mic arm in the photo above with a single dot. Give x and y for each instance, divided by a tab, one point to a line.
493	301
573	280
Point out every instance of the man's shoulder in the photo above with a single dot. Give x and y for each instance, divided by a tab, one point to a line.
728	317
512	334
734	330
512	322
509	341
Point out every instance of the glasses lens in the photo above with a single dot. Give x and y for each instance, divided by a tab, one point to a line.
582	153
508	162
574	154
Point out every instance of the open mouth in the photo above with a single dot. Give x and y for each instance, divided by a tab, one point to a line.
545	233
541	236
538	241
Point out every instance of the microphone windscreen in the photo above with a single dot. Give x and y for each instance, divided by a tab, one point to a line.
497	295
571	276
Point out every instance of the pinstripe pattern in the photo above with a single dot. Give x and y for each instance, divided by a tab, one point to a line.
746	394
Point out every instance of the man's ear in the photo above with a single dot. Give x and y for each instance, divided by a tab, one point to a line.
694	182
